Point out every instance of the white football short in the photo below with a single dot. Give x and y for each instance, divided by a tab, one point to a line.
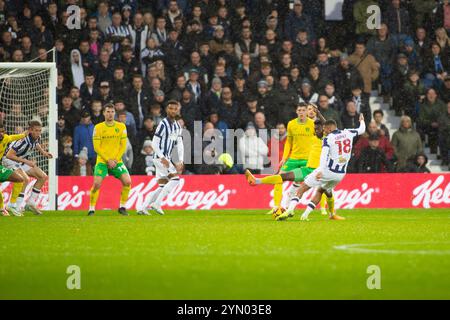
162	171
13	165
328	181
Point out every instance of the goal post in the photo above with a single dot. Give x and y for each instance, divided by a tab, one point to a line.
28	92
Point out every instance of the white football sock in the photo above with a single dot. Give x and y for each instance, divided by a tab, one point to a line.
34	196
291	194
152	196
310	208
19	201
293	203
165	191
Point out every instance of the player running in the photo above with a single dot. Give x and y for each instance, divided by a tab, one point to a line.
110	141
5	173
167	136
336	153
300	132
16	159
297	175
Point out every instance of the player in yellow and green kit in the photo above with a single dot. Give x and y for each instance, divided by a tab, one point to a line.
298	174
110	140
300	132
9	174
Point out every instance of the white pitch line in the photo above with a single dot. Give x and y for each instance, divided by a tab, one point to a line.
359	248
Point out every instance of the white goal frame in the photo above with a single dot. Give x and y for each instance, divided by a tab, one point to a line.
52	120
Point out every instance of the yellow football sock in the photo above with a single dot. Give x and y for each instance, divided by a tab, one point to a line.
330	202
124	195
93	198
277	194
272	179
323	201
16	190
2	202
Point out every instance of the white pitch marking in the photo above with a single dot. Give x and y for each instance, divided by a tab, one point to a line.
359	248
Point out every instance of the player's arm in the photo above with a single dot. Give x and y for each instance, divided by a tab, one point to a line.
12	155
122	146
287	145
362	125
16	137
180	150
43	152
319	114
155	145
97	142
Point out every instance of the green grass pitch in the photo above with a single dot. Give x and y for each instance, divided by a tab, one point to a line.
226	255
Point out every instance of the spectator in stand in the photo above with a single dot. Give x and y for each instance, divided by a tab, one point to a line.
428	121
307	93
399	78
436	66
346	77
378	116
412	95
297	20
372	158
128	156
253	150
362	103
350	116
228	109
71	115
418	164
383	47
444	136
329	112
105	93
82	166
367	65
143	163
445	89
88	90
276	146
83	138
61	128
443	15
383	142
406	142
147	132
398	22
65	157
96	112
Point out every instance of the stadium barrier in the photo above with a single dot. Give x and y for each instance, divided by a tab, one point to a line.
232	192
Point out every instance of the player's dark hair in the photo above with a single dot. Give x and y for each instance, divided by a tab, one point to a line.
331	122
302	104
172	102
34	123
108	106
378	111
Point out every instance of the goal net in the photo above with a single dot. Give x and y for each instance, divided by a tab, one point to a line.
28	92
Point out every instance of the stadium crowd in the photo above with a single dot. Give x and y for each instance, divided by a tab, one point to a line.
241	64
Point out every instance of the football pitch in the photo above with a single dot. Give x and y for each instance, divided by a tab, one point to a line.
227	255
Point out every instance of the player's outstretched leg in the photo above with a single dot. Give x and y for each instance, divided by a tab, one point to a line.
152	198
174	180
41	178
126	186
17	180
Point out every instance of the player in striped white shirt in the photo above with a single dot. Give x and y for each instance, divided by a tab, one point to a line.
117	31
334	159
17	159
167	137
